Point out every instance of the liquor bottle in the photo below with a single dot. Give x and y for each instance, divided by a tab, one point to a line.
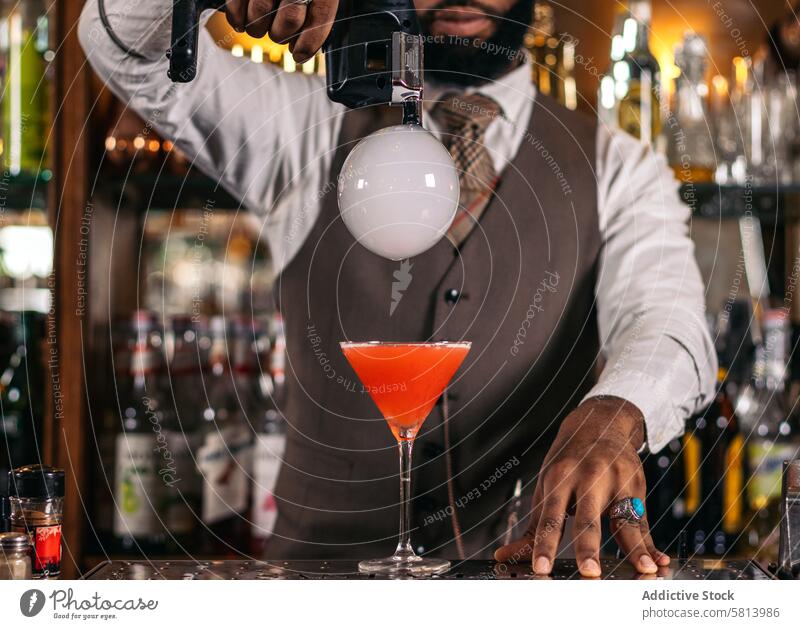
270	442
639	74
713	457
773	439
723	472
538	40
610	91
553	57
225	453
568	92
666	500
690	149
25	46
183	484
21	395
277	355
119	396
138	494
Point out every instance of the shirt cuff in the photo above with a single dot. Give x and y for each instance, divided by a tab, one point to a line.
663	420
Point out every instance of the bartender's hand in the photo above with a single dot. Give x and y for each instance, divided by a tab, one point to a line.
303	26
592	463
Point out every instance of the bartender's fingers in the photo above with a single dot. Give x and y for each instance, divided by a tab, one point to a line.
319	20
660	558
629	538
260	15
550	525
516	551
236	12
586	529
289	19
522	549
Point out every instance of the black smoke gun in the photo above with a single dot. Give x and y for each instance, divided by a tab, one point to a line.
182	53
373	54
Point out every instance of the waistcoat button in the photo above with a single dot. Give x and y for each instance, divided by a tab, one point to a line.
452	295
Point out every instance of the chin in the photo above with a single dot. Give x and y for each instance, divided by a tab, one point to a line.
488	52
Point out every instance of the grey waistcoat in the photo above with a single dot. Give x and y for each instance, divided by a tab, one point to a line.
521	289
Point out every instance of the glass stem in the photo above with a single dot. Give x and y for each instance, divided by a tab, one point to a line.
404	543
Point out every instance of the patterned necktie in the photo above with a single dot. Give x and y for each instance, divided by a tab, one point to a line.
463	119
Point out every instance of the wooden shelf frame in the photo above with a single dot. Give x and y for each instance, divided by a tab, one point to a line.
65	429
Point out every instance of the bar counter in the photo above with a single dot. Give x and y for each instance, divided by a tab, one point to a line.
564	569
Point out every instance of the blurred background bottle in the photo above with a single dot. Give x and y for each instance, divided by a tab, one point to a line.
553	57
182	430
225	454
138	495
25	47
270	439
105	437
713	462
690	148
771	437
640	105
610	91
21	389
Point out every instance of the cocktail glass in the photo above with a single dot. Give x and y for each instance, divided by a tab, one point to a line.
405	380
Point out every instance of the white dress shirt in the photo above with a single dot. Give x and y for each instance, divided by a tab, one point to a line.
269	138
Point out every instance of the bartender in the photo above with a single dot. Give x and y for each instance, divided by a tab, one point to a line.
569	268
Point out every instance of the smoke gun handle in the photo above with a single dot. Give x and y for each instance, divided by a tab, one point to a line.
182	52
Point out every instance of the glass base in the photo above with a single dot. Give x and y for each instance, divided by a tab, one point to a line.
408	566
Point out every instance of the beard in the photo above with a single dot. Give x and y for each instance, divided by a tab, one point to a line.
465	61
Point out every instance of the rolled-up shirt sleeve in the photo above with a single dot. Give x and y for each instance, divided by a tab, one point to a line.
263	134
650	295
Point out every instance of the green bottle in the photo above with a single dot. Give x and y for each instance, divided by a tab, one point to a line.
25	48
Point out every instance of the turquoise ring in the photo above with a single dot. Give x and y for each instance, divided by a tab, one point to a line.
630	509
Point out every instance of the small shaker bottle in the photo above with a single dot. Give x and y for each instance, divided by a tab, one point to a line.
15	556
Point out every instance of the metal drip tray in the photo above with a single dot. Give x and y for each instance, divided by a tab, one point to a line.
694	569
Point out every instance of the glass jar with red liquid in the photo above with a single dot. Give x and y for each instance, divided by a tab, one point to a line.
36	495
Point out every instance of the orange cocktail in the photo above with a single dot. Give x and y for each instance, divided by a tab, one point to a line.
405	380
